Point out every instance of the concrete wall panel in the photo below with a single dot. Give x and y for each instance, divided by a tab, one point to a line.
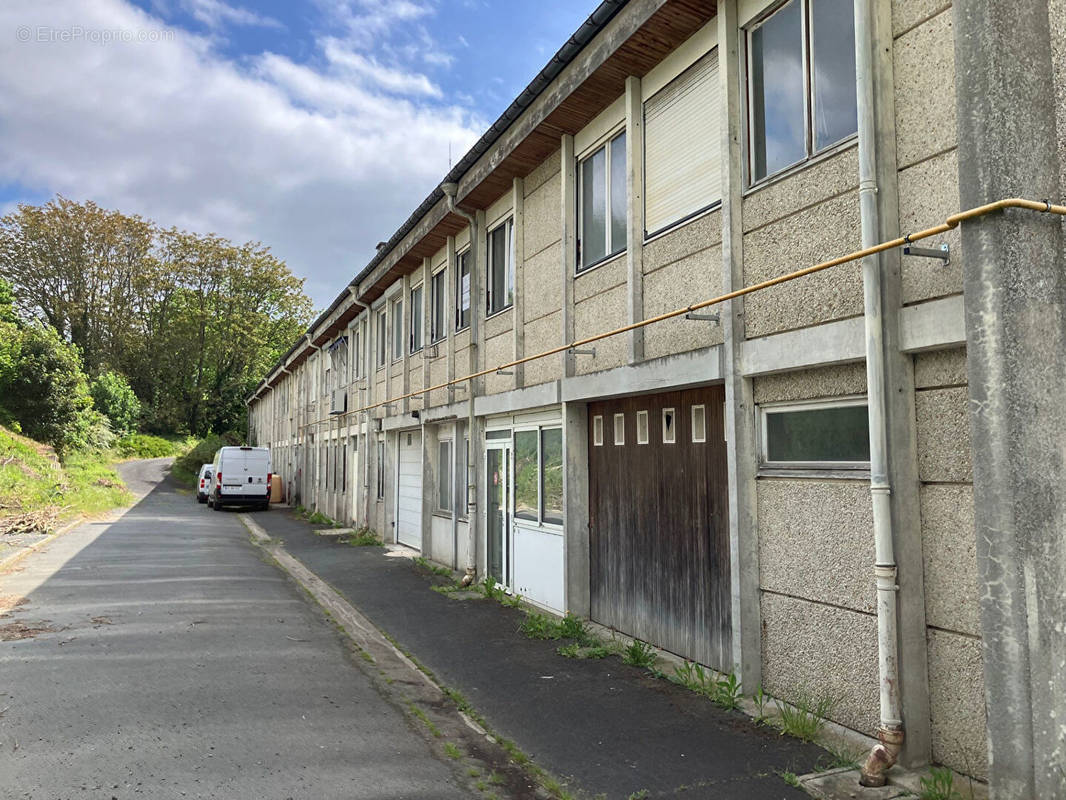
542	173
498	324
816	541
940	368
600	279
815	184
956	701
929	193
809	647
907	14
541	284
834	381
690	238
944	453
543	334
679	284
949	550
438	373
499	350
823	232
598	314
924	64
543	221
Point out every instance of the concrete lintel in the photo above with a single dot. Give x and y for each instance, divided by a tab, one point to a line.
831	343
935	325
451	411
543	394
667	373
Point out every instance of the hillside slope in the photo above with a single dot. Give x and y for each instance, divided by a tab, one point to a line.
37	493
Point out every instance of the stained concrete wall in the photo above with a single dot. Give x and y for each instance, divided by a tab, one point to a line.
815	551
926	140
945	468
803	218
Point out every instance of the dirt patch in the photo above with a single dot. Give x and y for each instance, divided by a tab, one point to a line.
14	631
9	602
98	621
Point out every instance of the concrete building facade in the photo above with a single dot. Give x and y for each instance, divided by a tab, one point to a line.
672	152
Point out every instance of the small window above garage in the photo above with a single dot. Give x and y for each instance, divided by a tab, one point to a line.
825	435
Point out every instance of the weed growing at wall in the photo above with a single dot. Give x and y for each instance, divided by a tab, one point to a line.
639	654
805	716
364	537
940	785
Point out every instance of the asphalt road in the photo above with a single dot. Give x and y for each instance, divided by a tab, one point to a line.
161	656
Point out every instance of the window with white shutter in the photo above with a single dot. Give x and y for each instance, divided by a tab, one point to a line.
682	159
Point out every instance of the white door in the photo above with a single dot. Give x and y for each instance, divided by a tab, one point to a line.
409	490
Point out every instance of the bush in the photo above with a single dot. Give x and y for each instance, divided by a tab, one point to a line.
114	398
48	393
141	445
187	467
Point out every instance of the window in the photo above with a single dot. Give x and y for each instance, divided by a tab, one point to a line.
501	268
597	431
381	471
438	289
462	290
445	489
801	83
699	424
682	162
416	319
619	428
601	191
538	475
551	476
526	488
832	434
396	309
642	427
669	426
382	329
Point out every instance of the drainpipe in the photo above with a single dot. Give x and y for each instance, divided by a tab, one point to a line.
314	388
353	290
890	732
450	190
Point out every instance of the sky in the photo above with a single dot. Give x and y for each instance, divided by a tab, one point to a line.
315	127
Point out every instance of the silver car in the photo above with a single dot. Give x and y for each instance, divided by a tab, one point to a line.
203	483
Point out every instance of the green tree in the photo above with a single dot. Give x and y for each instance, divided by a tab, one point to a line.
48	394
114	398
7	304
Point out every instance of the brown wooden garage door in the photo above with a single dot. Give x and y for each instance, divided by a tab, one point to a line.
659	521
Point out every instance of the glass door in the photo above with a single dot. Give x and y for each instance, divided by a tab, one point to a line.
497	471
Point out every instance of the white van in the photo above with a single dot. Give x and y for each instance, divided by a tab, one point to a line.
242	478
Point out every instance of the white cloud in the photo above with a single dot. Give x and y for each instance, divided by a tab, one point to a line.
216	14
320	164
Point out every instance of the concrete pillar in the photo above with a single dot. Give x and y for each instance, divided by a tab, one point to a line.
635	216
1015	296
568	206
427	281
451	306
576	507
518	339
739	401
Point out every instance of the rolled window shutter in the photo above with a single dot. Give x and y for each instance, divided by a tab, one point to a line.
682	161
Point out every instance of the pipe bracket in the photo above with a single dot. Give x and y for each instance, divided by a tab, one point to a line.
943	252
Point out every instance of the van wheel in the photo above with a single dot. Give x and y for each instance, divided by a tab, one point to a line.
264	507
216	505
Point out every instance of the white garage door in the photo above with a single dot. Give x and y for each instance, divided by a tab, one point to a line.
409	490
